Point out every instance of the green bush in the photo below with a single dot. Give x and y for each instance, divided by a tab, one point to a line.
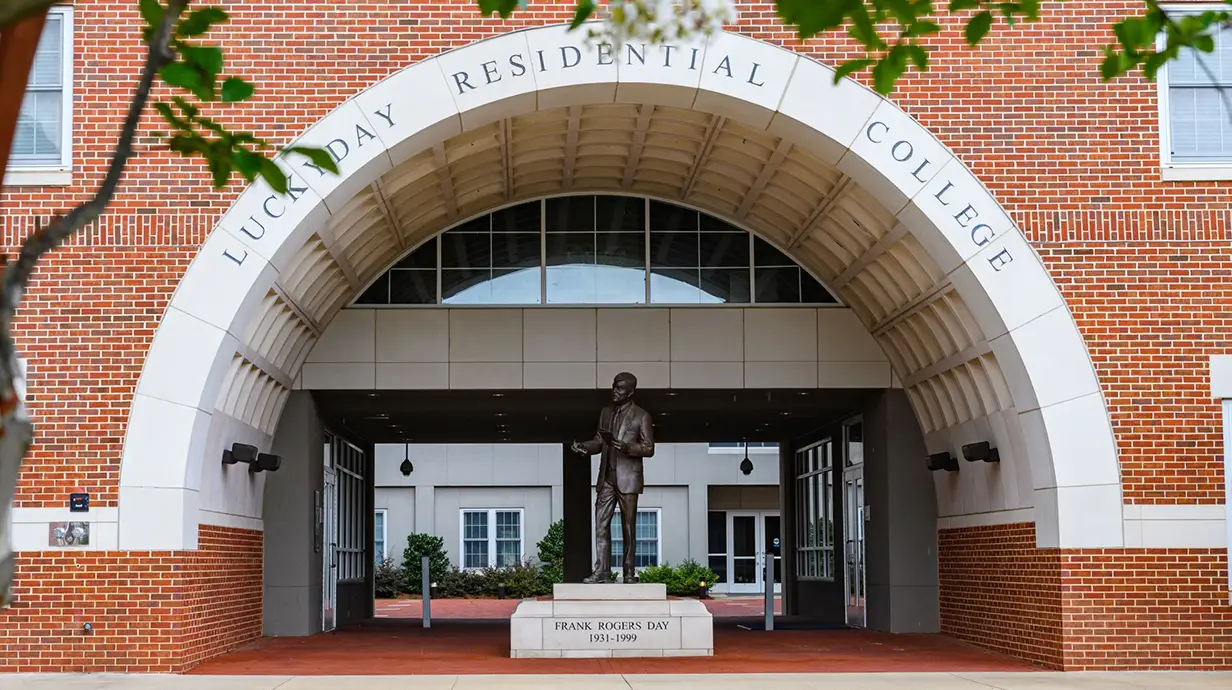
417	546
389	579
552	553
681	581
521	581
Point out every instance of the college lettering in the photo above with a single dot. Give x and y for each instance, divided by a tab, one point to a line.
569	57
967	217
275	206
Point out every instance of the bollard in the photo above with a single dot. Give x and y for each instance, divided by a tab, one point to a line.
427	595
769	581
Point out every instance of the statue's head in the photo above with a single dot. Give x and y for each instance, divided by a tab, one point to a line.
623	387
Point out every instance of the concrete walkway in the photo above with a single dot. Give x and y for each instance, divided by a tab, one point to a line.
824	681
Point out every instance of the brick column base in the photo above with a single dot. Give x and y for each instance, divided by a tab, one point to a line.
151	612
1085	609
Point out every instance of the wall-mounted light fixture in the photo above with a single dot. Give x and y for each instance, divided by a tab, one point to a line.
256	461
746	465
942	461
983	450
406	468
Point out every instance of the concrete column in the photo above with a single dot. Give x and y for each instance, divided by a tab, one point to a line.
901	533
292	561
787	522
579	538
699	506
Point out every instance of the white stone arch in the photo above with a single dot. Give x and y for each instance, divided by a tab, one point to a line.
855	189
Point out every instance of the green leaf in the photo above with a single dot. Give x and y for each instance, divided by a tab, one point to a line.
504	8
208	58
151	11
182	75
957	6
917	55
189	145
169	115
1153	63
248	163
189	109
851	66
584	9
236	89
319	157
812	17
273	175
885	74
921	28
201	20
978	27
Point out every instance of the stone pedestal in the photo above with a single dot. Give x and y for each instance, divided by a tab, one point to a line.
610	620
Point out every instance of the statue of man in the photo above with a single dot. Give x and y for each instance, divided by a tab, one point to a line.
625	436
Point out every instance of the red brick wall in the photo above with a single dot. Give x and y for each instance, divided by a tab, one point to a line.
150	611
1085	610
1146	609
998	591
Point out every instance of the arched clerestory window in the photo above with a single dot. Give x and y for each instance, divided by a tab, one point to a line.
595	250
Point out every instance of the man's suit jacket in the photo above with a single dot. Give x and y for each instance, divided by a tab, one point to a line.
637	432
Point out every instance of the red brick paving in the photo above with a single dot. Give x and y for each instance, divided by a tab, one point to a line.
455	647
500	609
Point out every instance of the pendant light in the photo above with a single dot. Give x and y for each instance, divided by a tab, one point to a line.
406	467
746	465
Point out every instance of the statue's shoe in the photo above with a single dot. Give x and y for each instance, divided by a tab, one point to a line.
598	578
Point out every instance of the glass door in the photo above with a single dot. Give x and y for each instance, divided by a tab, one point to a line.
853	523
329	560
744	569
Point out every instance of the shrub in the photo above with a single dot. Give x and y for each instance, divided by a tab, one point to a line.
552	553
389	579
521	581
417	546
681	581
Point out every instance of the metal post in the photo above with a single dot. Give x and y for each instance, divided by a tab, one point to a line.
427	595
769	582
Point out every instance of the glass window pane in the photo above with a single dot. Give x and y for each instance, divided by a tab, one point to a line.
37	135
460	249
523	218
729	285
516	250
411	287
724	250
624	249
812	292
423	257
672	218
676	249
766	254
571	214
377	293
780	285
47	68
716	528
719	565
570	249
620	214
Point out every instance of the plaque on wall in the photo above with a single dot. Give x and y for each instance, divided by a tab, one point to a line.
68	534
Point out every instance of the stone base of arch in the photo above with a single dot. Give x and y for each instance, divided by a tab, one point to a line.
1062	609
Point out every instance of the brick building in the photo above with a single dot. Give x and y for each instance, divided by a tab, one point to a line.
1007	251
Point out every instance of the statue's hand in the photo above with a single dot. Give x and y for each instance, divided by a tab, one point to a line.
576	448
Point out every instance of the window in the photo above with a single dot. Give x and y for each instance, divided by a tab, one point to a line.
738	447
378	536
647	537
814	469
1196	124
587	249
41	152
491	538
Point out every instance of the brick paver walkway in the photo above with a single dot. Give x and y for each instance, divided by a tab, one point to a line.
500	609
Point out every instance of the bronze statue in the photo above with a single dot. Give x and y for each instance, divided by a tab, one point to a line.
625	437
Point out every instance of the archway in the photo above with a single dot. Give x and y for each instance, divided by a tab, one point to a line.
839	178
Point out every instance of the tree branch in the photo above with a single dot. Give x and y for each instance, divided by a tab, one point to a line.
13	11
16	431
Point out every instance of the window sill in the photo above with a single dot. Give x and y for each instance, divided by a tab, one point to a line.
31	177
1196	173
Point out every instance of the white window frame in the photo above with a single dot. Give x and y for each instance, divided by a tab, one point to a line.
1181	172
384	513
658	535
491	535
58	174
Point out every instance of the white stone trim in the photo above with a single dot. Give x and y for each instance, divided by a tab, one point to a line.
31	525
1002	280
1175	526
210	517
996	517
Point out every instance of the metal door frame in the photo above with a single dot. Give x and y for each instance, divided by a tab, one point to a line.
329	559
855	537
